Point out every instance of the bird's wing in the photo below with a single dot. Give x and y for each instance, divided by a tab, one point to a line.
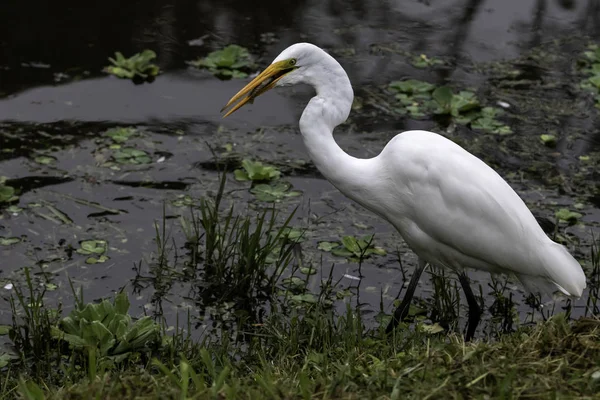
455	199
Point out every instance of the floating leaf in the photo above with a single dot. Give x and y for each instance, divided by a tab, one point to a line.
7	241
327	246
412	86
130	155
256	171
4	329
274	192
423	61
120	135
93	247
45	160
7	193
548	140
564	214
308	270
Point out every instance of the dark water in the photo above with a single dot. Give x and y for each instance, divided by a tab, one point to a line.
55	100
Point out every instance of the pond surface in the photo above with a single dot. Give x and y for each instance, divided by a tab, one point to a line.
56	104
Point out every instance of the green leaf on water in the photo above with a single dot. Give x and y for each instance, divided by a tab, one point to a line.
423	61
256	171
273	192
7	241
231	62
4	359
548	140
411	86
443	96
308	270
99	260
44	159
7	193
129	155
93	247
564	214
14	209
327	246
294	282
4	329
138	65
120	135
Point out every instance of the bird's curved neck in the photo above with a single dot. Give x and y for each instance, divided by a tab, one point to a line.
328	109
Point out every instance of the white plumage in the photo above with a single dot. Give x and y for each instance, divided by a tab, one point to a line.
449	206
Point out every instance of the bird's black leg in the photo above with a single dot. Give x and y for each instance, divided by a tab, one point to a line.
402	310
474	310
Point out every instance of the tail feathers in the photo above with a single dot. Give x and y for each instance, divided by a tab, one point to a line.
557	271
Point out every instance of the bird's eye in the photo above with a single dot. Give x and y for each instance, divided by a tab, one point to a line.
293	61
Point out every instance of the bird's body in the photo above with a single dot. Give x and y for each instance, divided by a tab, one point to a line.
455	211
451	208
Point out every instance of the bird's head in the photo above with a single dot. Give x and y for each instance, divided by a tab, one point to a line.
290	67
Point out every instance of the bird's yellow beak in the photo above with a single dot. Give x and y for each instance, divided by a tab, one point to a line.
262	83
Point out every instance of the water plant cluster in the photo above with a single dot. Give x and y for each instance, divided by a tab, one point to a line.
419	99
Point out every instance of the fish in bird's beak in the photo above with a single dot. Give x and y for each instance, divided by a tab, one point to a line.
265	81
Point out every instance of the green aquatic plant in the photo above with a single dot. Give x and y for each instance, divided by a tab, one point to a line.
7	193
566	215
120	134
96	249
274	193
353	248
423	61
256	171
105	331
8	241
137	66
419	99
591	64
231	62
130	155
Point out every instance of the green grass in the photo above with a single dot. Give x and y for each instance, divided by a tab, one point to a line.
283	340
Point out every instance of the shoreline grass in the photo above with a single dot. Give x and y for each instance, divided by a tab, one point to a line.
282	341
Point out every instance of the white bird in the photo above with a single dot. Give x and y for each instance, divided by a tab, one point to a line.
450	208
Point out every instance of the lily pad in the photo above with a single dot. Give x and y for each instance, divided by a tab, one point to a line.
129	155
93	247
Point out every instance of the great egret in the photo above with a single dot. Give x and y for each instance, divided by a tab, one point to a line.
451	208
